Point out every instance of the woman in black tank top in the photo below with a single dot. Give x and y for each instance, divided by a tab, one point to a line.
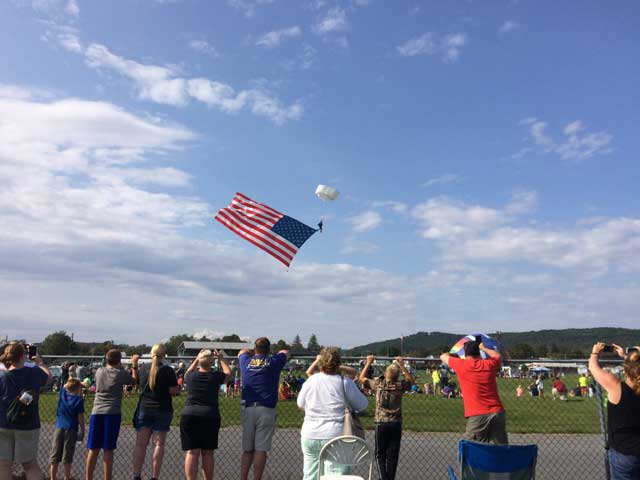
623	408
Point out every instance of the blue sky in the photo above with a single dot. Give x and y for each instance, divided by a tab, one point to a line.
486	155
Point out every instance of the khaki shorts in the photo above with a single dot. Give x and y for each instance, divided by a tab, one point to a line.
258	426
64	446
19	446
491	428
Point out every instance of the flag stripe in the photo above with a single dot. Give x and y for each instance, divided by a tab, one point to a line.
257	244
262	228
250	211
267	208
259	236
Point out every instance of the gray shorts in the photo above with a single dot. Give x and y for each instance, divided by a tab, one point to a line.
258	426
490	428
64	446
19	446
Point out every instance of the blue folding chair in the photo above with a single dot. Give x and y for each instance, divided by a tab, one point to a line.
485	461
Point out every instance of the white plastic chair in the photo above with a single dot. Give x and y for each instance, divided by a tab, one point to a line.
348	452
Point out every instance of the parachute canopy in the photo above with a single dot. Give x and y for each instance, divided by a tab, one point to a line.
327	193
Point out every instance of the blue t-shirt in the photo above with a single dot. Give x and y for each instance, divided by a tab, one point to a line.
12	384
260	378
69	407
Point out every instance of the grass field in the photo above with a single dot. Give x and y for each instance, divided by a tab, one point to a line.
421	412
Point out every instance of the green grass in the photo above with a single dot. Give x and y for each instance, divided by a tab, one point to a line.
421	413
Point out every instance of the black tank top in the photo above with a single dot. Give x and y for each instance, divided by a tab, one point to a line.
624	423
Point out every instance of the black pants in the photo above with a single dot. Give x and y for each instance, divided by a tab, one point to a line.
388	437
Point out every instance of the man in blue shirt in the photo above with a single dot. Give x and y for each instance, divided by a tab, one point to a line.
260	379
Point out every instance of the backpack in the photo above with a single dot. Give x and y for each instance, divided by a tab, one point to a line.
20	414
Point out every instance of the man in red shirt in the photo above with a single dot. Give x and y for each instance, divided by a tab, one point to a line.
486	419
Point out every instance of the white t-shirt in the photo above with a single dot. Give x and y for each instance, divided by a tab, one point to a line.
322	398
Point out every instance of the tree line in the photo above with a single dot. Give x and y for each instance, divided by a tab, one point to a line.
61	343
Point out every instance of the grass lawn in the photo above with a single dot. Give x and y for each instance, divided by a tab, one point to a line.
421	413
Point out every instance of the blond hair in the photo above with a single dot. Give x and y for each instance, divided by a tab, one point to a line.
330	360
73	385
205	359
158	352
393	371
632	370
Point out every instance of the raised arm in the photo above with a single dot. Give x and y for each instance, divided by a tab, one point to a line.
367	365
607	380
192	367
134	371
287	353
407	376
492	353
312	368
444	358
225	366
38	361
348	371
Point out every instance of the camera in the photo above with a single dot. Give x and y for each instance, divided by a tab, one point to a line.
32	350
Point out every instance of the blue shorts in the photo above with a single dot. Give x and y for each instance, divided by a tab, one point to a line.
156	421
103	432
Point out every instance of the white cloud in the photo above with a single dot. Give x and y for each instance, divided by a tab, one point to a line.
575	144
477	233
444	179
335	20
274	38
398	207
248	7
448	46
164	85
366	221
57	9
107	254
509	26
205	47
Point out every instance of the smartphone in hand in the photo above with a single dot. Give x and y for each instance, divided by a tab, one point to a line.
608	349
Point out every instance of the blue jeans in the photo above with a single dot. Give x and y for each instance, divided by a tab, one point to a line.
624	467
311	452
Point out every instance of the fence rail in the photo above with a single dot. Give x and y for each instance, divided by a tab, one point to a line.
568	432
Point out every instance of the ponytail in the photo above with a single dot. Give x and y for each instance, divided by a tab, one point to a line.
158	353
632	371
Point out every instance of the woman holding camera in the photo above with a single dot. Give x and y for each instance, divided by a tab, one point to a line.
623	408
19	417
200	421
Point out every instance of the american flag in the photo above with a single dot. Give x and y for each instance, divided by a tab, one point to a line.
274	232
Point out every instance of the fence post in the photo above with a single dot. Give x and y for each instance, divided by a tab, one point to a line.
603	429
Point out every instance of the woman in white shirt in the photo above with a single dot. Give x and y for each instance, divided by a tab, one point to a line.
322	398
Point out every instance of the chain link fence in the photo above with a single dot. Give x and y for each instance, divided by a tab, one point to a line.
568	432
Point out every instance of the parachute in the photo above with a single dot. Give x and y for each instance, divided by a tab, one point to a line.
324	192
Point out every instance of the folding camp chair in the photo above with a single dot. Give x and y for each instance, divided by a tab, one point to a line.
346	452
485	461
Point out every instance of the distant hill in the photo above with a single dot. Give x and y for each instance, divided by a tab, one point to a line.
573	342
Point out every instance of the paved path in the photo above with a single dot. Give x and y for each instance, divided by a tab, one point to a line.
423	455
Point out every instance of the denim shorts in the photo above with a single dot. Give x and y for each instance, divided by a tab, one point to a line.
156	421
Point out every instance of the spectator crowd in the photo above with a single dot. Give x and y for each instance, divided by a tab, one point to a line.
331	396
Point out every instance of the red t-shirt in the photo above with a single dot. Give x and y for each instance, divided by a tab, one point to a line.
560	386
477	379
